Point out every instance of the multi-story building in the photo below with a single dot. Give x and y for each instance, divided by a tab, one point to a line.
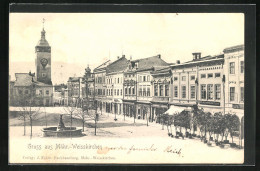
27	91
40	86
100	87
76	90
114	78
199	82
161	86
138	86
234	79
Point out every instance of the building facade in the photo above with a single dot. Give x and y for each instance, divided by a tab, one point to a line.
37	88
76	91
199	82
138	86
234	69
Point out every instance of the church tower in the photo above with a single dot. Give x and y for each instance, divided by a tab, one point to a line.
43	59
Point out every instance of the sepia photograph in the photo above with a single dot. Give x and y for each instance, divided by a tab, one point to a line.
126	88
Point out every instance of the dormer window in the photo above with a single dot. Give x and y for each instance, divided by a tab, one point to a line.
136	65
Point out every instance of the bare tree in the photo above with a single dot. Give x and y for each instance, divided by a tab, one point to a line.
23	116
70	109
81	114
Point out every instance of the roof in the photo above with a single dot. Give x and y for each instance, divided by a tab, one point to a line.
161	70
234	48
25	80
150	63
117	66
74	79
43	41
202	60
102	66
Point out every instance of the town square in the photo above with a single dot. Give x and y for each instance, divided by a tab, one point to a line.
173	107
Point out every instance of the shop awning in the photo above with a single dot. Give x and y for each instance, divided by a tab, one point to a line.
238	112
176	109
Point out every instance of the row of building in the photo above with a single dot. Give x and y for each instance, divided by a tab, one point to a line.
144	87
150	86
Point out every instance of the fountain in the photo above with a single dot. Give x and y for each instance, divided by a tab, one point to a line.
61	131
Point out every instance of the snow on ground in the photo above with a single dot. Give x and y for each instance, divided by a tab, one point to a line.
124	136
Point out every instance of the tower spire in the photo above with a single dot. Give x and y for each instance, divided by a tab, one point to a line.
43	20
43	31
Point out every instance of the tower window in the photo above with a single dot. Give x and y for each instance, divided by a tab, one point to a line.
43	74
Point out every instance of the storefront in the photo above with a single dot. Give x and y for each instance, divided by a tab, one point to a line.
157	110
143	110
129	108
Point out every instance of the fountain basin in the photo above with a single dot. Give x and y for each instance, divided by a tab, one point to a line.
65	132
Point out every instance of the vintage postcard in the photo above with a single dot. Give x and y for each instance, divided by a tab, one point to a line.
126	88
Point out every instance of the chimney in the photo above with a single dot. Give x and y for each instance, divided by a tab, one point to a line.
159	55
118	57
123	56
178	62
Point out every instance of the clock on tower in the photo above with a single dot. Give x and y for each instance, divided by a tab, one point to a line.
43	60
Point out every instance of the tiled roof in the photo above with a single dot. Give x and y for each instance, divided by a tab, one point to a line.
234	48
117	66
201	60
150	62
102	66
24	79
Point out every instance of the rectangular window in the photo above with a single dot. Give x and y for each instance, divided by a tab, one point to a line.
107	92
148	91
192	77
175	78
210	75
40	92
217	91
203	76
47	92
125	91
144	78
161	90
242	66
144	91
115	92
232	93
232	67
175	91
129	90
155	90
118	92
133	91
140	91
183	78
203	91
217	75
166	90
210	91
192	92
148	78
241	94
121	92
183	94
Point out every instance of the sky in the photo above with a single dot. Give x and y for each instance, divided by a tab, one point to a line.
81	39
